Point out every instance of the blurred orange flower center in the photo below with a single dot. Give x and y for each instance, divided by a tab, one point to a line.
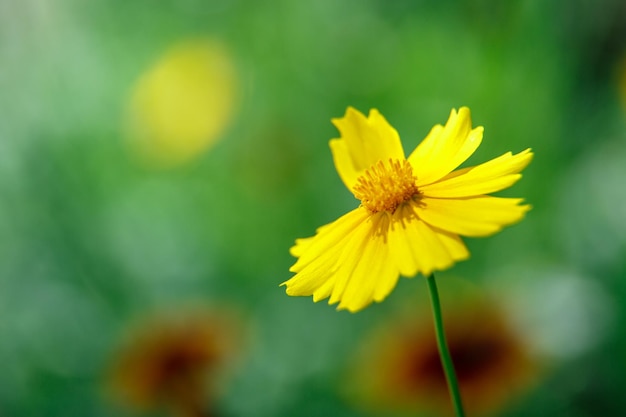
384	186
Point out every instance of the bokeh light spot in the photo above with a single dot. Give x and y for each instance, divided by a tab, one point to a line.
181	106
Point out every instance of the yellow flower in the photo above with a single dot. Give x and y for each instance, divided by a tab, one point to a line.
182	105
412	209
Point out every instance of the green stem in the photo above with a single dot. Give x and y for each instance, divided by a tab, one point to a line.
444	352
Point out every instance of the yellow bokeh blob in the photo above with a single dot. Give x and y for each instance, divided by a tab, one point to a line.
182	105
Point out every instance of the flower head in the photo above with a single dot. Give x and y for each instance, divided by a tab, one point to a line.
399	368
173	361
413	209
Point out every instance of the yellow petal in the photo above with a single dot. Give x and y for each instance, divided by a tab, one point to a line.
374	274
326	238
354	248
364	141
387	281
323	254
492	176
444	149
314	275
477	216
453	243
356	270
417	247
301	246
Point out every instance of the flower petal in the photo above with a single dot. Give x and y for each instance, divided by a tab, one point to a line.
326	238
444	149
302	244
322	255
477	216
374	274
316	269
417	247
453	243
354	269
364	142
354	248
351	251
489	177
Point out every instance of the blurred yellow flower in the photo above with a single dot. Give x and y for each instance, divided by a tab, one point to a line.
181	106
412	209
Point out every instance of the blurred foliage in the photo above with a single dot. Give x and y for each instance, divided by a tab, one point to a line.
91	237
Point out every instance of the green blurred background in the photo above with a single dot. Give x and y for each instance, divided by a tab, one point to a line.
103	221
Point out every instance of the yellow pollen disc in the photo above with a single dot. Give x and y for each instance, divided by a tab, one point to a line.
384	186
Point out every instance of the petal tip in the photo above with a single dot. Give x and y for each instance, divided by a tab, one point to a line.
528	152
338	120
350	308
373	113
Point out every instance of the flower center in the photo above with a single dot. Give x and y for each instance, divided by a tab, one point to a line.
384	186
